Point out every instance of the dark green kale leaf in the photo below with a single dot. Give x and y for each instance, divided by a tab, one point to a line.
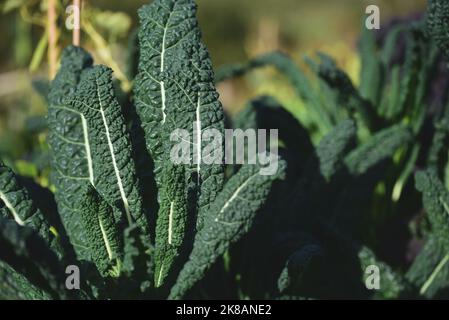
101	231
28	254
232	214
71	160
112	166
174	89
17	205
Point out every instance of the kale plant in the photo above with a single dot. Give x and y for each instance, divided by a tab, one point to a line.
140	226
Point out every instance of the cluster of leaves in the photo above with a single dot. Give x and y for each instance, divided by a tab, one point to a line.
139	226
135	223
342	198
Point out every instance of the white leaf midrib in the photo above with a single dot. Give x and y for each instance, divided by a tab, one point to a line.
114	162
162	63
86	142
434	274
11	208
88	151
235	194
198	137
170	222
105	239
159	277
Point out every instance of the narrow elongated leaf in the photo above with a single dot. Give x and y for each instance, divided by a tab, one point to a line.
14	286
287	67
438	24
371	71
280	61
430	270
389	45
437	156
232	215
101	231
407	87
171	222
71	159
18	206
333	147
379	147
436	203
25	251
174	89
113	168
346	94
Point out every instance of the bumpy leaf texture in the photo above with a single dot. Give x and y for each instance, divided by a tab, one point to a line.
101	231
438	24
430	270
14	286
174	89
380	146
347	95
232	214
17	205
71	158
171	222
436	203
113	169
333	147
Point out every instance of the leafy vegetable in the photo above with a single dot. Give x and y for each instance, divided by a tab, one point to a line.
69	143
232	215
172	221
175	74
113	169
17	205
144	226
437	23
27	253
101	231
332	148
381	146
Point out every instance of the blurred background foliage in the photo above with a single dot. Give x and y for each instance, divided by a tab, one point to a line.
233	30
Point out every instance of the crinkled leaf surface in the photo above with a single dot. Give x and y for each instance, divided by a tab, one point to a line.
18	206
113	168
232	214
71	160
101	230
174	89
171	222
